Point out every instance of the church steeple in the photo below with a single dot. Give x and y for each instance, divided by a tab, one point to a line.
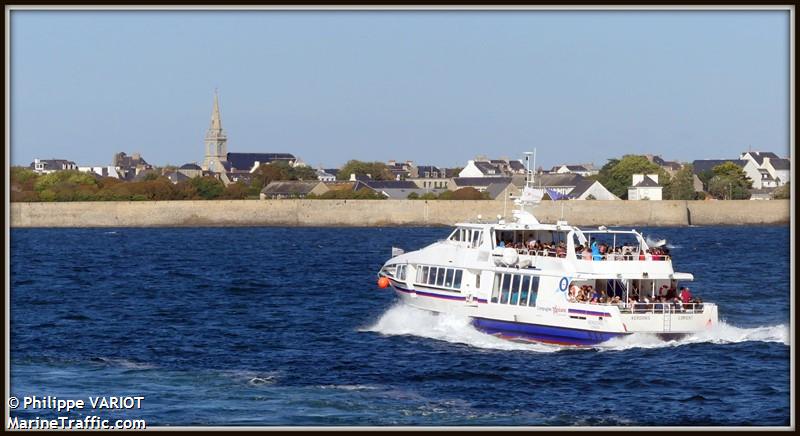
216	141
216	119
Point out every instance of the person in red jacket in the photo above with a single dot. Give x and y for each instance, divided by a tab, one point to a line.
685	295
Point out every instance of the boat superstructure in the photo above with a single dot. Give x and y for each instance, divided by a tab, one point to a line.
520	280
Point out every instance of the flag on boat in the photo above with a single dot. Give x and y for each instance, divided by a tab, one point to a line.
555	195
530	195
397	251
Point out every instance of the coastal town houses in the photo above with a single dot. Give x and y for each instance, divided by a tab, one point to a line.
47	166
293	189
129	166
766	170
232	167
570	186
645	187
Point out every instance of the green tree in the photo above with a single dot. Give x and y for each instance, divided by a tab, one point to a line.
783	192
617	174
376	170
235	191
682	184
413	196
208	188
730	182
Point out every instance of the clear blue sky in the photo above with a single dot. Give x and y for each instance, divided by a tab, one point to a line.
434	87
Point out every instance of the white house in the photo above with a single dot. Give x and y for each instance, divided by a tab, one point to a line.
779	169
478	168
645	187
105	171
47	166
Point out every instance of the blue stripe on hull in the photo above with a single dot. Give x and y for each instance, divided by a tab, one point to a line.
542	333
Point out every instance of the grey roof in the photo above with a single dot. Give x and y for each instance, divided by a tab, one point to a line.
331	171
290	187
487	168
581	187
779	164
496	189
380	185
760	155
646	182
403	193
577	168
703	165
555	179
245	161
516	165
190	166
480	181
176	177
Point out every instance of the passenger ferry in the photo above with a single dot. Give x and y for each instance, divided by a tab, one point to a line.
490	273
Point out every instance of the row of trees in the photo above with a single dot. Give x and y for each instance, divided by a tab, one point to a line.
724	182
26	185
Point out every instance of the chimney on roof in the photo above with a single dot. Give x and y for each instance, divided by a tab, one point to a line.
765	162
352	177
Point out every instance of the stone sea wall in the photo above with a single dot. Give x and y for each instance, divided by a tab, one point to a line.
389	213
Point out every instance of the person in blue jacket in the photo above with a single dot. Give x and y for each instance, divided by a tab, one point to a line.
596	252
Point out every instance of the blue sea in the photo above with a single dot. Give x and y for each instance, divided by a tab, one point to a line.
286	327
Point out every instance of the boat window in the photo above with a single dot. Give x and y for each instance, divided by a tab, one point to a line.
516	289
476	238
534	290
440	276
505	288
456	235
515	280
400	272
496	287
523	293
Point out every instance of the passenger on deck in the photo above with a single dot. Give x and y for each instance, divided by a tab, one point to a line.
573	293
596	251
672	293
587	254
501	244
685	295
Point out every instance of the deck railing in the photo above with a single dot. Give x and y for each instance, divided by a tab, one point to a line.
661	308
609	257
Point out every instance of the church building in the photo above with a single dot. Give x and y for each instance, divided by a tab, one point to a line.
231	167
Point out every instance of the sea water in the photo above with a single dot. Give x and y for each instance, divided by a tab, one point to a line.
285	326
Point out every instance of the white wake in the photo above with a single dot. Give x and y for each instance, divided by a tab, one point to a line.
402	319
